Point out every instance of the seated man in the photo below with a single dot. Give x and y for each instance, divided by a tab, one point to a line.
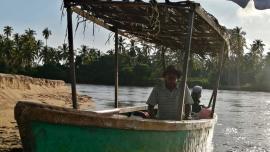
167	97
200	111
196	94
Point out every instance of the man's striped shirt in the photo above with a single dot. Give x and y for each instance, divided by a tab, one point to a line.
168	101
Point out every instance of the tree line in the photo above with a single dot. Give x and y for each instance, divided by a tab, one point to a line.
245	67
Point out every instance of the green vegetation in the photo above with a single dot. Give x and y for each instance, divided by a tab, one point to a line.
245	67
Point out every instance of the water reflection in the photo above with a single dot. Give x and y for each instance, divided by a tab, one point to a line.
104	95
243	117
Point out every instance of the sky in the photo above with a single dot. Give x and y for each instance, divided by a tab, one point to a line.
39	14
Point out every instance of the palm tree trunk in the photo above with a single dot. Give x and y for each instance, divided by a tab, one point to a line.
238	76
163	49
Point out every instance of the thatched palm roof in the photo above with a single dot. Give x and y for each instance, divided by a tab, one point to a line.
159	23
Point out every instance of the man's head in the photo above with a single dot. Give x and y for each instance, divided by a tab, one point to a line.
196	92
171	75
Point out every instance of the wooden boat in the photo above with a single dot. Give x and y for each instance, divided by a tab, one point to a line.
46	128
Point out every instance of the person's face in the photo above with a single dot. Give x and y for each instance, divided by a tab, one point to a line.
170	79
196	95
199	95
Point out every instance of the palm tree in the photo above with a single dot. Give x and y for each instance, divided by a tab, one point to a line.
16	37
17	49
39	51
238	42
257	48
30	33
256	53
46	33
83	53
161	56
1	49
132	52
163	51
7	31
64	53
29	49
84	50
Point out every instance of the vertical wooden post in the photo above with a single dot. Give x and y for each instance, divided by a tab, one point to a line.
71	56
116	69
220	63
186	61
211	99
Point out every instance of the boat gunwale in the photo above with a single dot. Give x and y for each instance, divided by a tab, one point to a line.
26	112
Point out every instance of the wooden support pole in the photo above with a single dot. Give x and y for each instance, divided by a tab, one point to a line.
220	65
210	101
186	61
71	56
116	69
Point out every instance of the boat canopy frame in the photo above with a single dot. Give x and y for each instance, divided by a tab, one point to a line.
175	25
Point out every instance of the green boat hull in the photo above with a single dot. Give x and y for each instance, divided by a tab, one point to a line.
47	129
67	138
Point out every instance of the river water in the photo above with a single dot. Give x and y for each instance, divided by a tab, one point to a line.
243	117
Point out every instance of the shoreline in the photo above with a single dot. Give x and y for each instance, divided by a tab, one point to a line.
15	88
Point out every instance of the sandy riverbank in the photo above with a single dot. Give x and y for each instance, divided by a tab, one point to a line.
14	88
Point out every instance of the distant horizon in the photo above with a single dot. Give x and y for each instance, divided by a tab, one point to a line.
50	17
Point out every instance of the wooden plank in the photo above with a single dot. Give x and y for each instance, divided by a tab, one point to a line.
110	111
122	110
132	109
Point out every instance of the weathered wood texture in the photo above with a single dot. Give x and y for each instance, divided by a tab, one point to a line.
159	23
26	112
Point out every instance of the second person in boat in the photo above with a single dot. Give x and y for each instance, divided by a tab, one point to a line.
199	111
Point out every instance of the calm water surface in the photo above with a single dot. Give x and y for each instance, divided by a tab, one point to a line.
243	117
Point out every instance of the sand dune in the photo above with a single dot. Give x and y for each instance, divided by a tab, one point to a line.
15	88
